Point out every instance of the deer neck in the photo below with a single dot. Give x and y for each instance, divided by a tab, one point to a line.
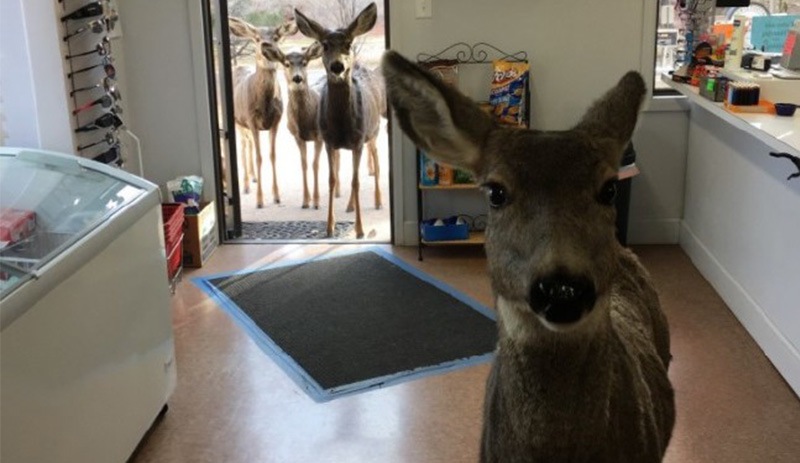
342	118
563	358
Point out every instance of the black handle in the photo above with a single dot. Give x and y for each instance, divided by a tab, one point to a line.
795	160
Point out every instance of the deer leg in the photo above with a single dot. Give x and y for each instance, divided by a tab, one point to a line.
372	153
273	135
336	155
259	191
304	166
250	168
331	188
354	192
371	164
244	155
315	166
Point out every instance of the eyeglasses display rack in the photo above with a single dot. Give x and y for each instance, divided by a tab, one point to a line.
97	115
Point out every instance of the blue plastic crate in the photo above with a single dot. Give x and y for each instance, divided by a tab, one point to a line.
450	231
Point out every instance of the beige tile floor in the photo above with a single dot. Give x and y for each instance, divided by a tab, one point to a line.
234	405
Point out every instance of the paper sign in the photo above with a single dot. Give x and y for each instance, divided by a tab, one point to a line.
768	33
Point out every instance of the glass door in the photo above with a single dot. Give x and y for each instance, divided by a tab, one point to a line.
220	89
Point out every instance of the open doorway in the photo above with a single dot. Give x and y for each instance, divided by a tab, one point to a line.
288	220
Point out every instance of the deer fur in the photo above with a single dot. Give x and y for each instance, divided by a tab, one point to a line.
302	108
580	368
257	101
352	102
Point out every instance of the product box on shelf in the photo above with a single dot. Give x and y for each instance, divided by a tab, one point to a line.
16	224
428	170
200	237
450	229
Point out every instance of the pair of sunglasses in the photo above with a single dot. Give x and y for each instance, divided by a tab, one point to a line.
112	155
107	84
105	101
108	68
110	119
110	138
97	26
103	48
87	11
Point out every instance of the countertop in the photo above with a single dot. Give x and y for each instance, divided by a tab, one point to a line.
781	133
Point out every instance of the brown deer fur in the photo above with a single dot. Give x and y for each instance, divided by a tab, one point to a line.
351	104
580	371
302	108
257	102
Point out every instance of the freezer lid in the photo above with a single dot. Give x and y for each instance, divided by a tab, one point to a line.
48	201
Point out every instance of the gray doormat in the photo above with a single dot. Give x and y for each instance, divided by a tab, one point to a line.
294	230
348	323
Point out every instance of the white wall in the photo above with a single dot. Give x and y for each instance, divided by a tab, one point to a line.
32	87
577	50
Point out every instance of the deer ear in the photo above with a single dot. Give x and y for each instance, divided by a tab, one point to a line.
308	27
313	51
272	52
364	22
286	29
437	117
614	115
240	28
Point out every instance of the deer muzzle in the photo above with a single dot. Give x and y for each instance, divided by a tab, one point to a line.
337	67
561	298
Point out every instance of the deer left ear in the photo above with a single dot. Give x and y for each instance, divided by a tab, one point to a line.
614	115
364	22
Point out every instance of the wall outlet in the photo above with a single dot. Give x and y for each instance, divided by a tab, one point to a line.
424	8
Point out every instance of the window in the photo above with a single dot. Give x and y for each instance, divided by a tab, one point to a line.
702	20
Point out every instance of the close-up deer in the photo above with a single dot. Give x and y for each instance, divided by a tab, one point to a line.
580	368
352	102
257	101
302	108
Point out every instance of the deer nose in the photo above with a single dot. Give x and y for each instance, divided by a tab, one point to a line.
562	298
337	67
297	79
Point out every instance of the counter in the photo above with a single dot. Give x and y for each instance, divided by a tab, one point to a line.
778	132
741	221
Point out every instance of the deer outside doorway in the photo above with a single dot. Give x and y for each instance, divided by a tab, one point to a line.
288	210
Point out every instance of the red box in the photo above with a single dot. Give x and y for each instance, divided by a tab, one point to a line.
16	224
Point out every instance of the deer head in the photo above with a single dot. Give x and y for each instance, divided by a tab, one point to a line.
337	45
295	64
550	239
261	36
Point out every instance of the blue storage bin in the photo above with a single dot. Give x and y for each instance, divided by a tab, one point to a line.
450	231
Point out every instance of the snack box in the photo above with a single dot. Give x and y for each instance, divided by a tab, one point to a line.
16	224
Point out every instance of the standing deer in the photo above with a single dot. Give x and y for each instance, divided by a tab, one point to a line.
257	102
301	111
580	369
352	102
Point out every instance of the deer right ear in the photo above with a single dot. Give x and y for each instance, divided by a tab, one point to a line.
272	52
437	117
240	28
313	51
308	27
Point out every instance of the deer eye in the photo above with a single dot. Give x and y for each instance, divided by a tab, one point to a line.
496	193
608	192
325	46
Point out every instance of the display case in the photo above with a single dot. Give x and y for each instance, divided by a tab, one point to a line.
85	325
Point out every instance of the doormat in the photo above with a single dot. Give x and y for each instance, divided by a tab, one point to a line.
354	322
293	230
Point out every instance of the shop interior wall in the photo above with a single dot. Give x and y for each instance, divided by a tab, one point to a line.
578	50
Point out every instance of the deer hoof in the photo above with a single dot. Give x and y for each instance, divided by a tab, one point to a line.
305	206
260	205
277	200
349	209
360	235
